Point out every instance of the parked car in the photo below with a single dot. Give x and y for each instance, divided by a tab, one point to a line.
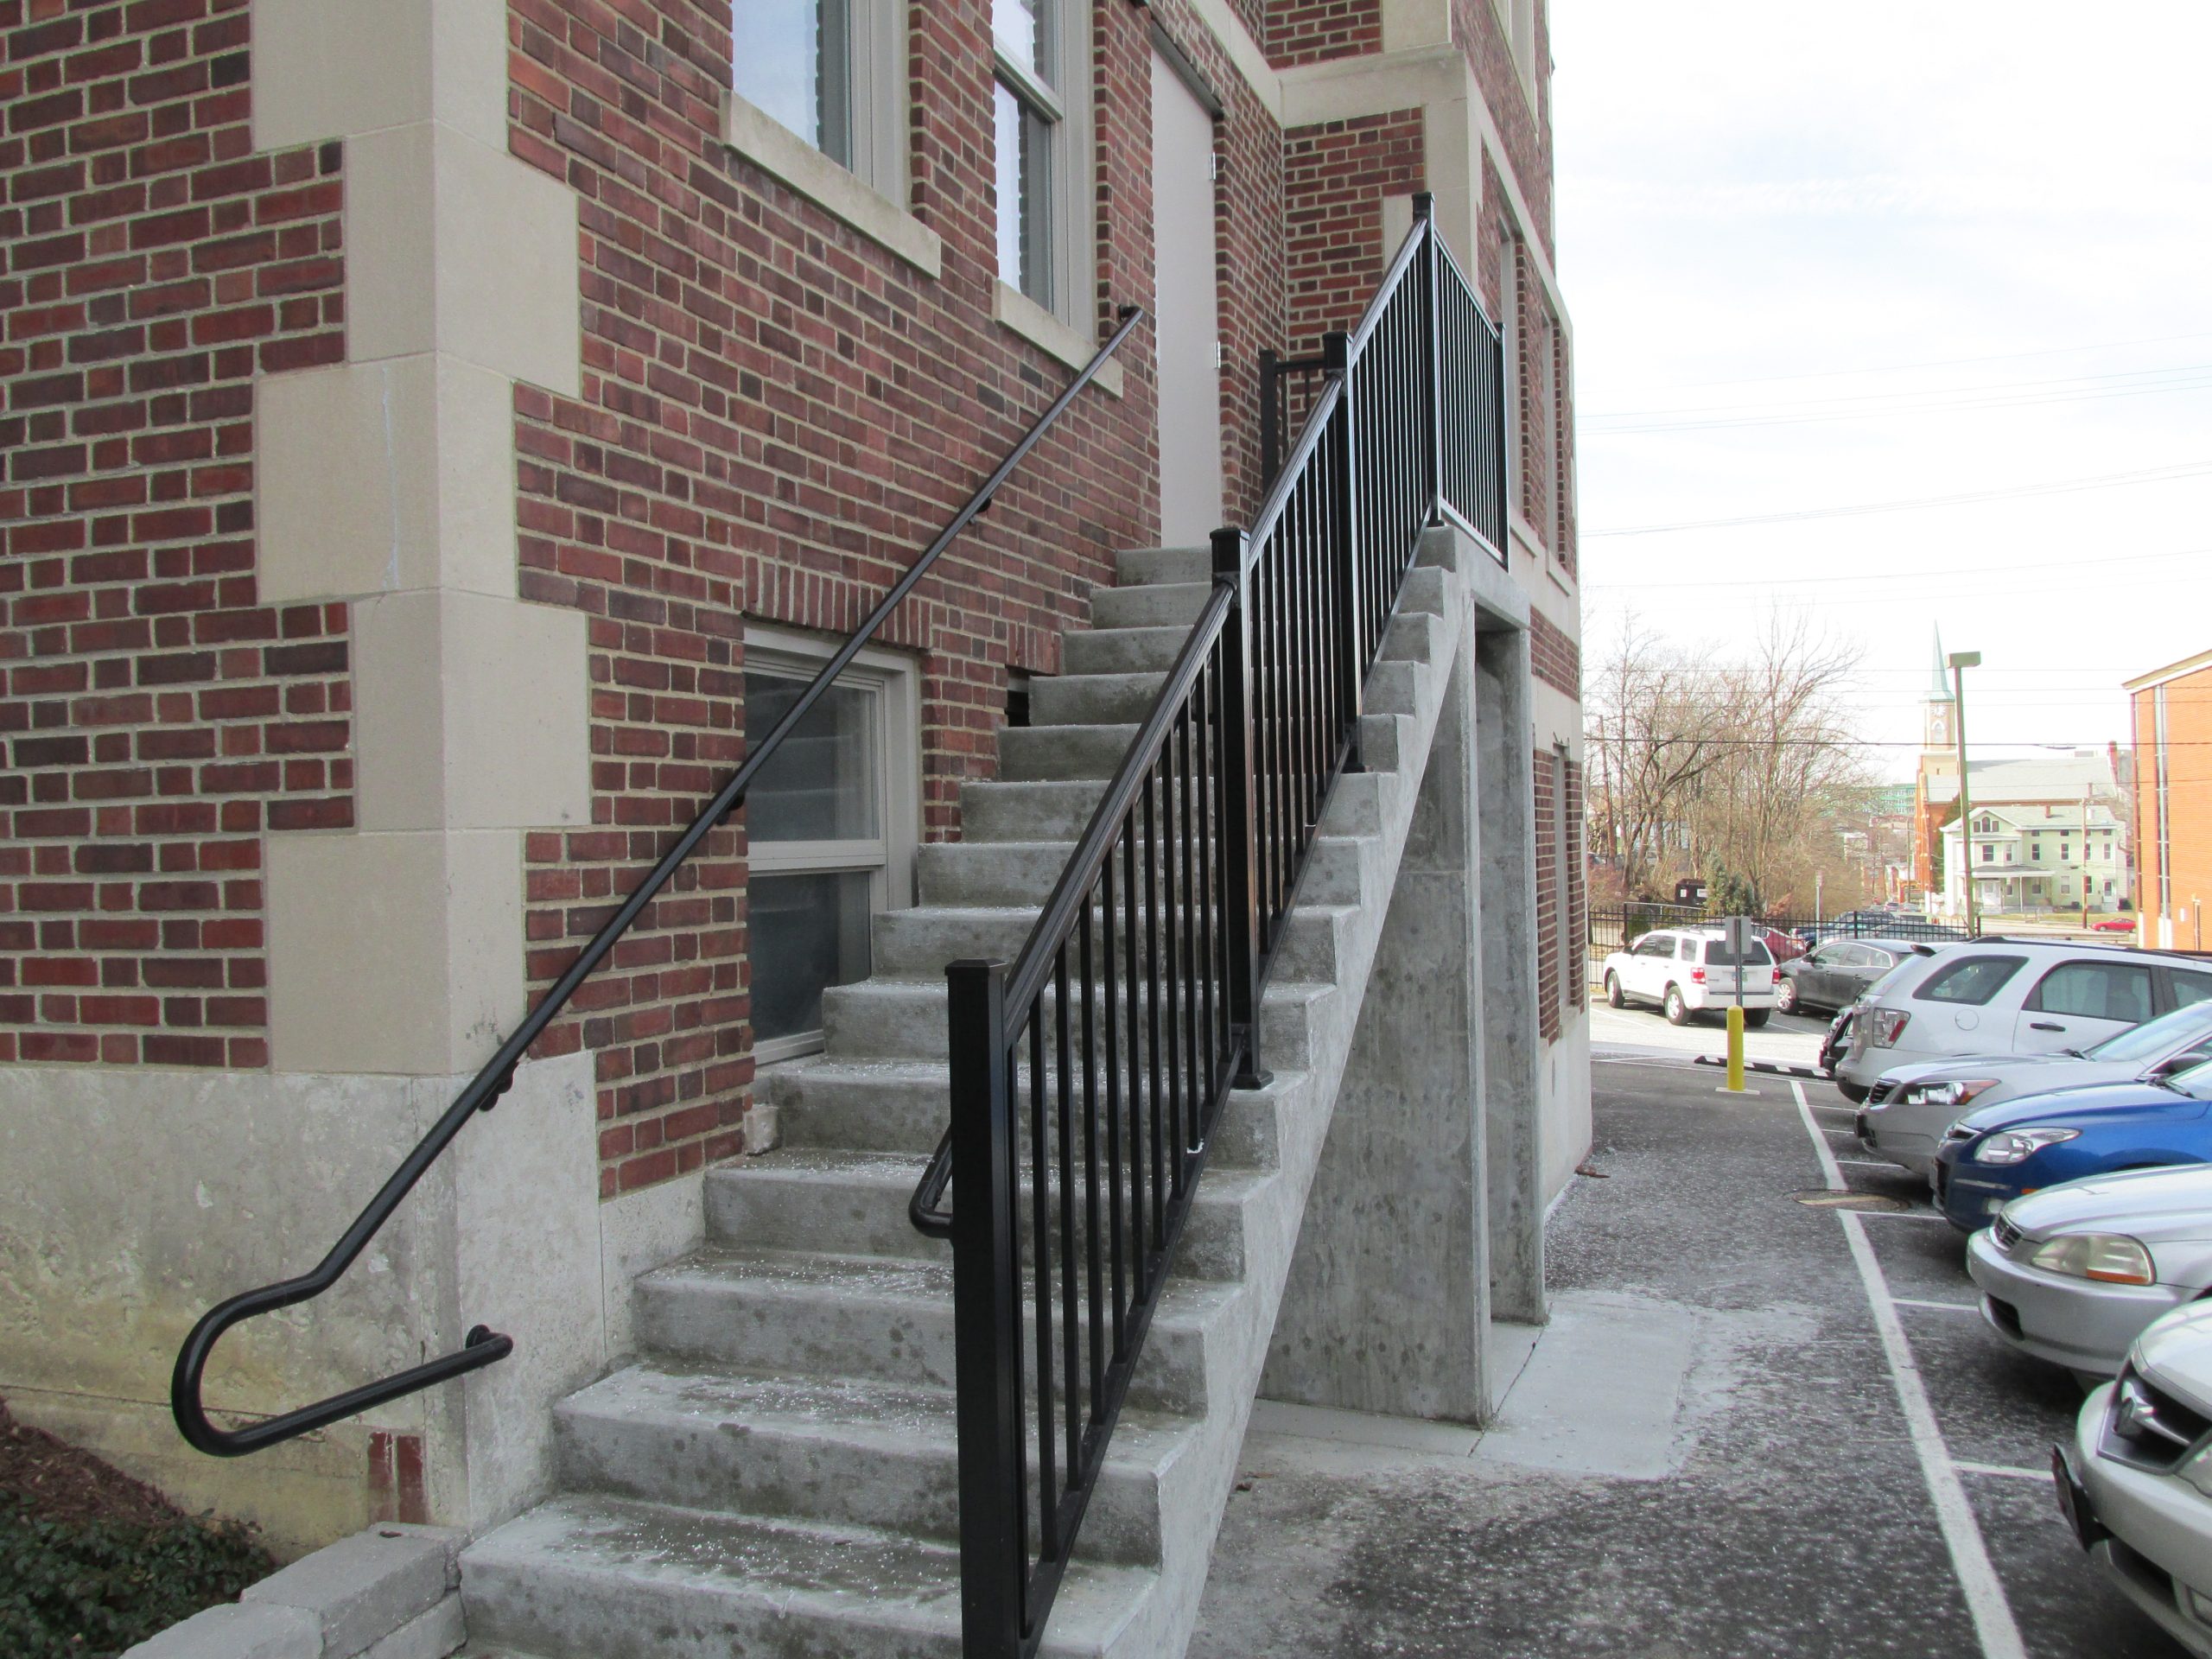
1911	1106
2019	996
1835	974
1685	971
2113	925
1989	1157
2133	1485
2073	1274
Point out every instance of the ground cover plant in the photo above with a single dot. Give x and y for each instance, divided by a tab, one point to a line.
92	1561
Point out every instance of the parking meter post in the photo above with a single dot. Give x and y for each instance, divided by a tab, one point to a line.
1738	931
1735	1048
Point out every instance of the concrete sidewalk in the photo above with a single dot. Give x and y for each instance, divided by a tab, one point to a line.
1705	1453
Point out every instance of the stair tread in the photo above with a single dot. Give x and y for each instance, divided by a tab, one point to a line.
897	1418
805	1273
839	1167
783	1567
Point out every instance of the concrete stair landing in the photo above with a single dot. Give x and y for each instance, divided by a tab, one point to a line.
776	1472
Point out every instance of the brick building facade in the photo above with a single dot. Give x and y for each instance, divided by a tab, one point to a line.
2170	714
412	475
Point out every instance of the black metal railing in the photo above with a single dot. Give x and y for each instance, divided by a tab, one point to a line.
482	1346
1089	1076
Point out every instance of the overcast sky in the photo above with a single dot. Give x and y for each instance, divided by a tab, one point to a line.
1823	258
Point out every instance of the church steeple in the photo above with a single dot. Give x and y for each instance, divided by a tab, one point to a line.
1938	734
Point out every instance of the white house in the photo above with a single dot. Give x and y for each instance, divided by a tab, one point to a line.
2037	856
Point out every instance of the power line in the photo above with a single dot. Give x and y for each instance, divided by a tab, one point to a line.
2057	486
2086	381
2074	563
1735	423
1942	362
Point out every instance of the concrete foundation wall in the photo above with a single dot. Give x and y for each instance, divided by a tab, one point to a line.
241	1180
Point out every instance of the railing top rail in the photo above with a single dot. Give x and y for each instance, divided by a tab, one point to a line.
484	1089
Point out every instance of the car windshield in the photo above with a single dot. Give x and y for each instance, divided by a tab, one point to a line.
2154	1039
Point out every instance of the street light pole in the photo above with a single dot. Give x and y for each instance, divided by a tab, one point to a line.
1961	661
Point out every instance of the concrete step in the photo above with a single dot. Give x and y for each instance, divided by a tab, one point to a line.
1123	650
904	1019
1093	699
794	1314
1139	567
854	1204
597	1577
988	874
917	943
1053	810
1027	752
1159	604
836	1450
893	1106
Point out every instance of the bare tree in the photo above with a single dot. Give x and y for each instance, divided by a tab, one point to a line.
1749	762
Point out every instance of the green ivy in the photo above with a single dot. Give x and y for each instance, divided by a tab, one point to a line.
88	1590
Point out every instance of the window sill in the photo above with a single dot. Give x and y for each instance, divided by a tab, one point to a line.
1018	312
773	148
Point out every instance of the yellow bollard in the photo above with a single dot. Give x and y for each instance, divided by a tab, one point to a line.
1735	1049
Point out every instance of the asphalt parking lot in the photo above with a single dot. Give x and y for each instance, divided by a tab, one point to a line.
1754	1425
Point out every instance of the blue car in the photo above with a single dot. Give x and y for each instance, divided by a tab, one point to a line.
2000	1153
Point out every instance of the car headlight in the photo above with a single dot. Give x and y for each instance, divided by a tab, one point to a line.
2015	1145
2109	1258
1958	1093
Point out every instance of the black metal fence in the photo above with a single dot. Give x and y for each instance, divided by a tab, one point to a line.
1087	1078
1616	927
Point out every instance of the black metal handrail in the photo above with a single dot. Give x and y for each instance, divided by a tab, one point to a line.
1087	1078
482	1346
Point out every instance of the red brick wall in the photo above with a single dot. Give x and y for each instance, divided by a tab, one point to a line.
1554	658
776	416
2188	805
1547	895
1308	31
1524	119
1335	176
1577	907
159	719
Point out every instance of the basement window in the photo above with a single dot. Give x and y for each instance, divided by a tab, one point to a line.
831	824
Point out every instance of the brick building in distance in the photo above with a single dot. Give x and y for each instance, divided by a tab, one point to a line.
2170	714
441	435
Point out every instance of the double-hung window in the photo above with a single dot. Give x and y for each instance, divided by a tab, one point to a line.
831	829
832	72
1043	97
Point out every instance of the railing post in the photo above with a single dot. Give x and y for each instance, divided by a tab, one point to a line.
1349	650
986	1316
1239	830
1432	335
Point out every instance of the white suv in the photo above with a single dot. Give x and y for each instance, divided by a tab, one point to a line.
1687	970
2008	996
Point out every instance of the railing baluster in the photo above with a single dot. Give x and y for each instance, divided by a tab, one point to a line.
1112	1057
1040	1248
1071	1329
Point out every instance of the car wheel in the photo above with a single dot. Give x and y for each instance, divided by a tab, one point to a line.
1613	997
1851	1091
1754	1018
1785	996
1678	1012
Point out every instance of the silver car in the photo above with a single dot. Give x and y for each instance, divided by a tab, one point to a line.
2074	1273
1911	1106
2135	1483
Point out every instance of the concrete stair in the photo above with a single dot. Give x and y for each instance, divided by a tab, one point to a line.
776	1472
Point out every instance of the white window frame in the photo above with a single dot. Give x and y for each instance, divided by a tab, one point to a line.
1070	237
893	682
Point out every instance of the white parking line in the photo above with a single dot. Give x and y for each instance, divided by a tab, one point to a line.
1949	1308
1978	1581
2006	1470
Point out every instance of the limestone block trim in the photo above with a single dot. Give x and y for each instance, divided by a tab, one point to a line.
433	61
470	713
1245	54
399	953
385	477
452	245
774	149
1019	314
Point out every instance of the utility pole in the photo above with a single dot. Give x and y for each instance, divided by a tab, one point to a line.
1961	661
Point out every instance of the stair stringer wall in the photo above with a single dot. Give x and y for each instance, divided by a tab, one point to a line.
1454	589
